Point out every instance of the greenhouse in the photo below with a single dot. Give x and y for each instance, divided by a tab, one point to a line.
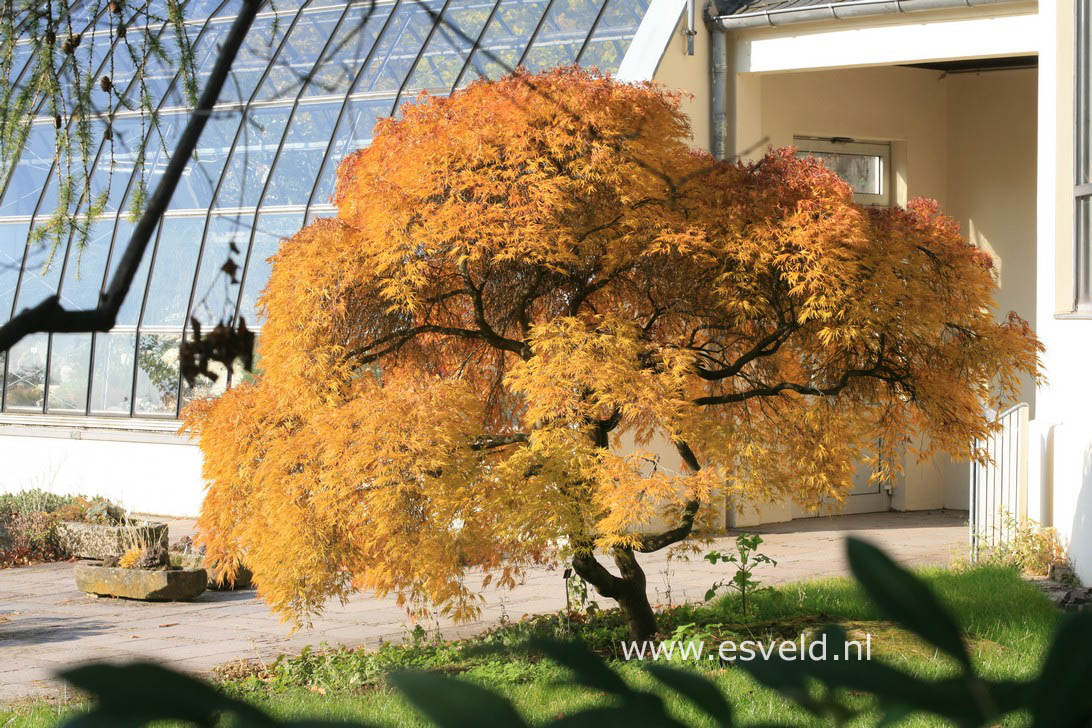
264	167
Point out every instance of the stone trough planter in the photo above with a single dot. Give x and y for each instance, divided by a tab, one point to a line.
95	541
152	585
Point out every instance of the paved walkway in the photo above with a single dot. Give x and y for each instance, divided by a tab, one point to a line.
45	623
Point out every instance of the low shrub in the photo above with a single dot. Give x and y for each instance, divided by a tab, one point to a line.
32	536
29	523
1032	548
31	501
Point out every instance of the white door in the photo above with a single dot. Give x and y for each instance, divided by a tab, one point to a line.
865	497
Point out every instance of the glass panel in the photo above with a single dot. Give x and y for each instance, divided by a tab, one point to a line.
157	374
198	183
133	53
567	25
216	297
389	67
354	40
19	60
354	132
130	308
250	162
612	36
505	39
41	273
300	53
254	57
447	50
862	171
29	176
112	383
301	155
162	139
272	229
25	385
85	267
172	277
197	9
69	365
205	387
13	237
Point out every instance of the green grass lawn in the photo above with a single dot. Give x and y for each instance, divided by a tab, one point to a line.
1008	624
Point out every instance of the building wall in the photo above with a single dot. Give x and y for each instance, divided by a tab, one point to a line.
1064	401
907	106
156	473
966	140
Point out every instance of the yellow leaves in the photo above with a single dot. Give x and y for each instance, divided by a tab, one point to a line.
531	292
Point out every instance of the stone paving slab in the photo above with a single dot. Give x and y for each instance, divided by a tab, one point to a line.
46	623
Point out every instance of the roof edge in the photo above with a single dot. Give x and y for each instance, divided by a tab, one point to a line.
845	10
650	42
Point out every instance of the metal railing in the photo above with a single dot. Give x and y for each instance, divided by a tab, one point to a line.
999	489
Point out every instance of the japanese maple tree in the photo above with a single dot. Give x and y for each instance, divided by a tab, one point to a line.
526	274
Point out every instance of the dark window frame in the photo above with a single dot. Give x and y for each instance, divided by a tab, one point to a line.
1082	191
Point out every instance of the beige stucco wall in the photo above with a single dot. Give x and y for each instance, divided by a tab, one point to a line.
992	176
966	140
907	106
690	75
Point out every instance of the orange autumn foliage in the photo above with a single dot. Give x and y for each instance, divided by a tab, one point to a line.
522	274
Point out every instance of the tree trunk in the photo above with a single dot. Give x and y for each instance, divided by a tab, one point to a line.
628	589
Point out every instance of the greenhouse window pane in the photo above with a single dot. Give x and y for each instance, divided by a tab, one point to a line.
41	272
157	374
354	132
198	183
301	154
505	39
447	50
130	307
82	278
172	275
272	229
254	57
399	48
563	33
249	166
611	38
13	239
216	296
348	50
112	379
127	173
19	59
69	366
197	9
29	176
25	383
300	53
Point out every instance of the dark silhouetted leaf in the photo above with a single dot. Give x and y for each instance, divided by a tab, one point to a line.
1063	696
141	692
588	670
700	691
451	703
906	599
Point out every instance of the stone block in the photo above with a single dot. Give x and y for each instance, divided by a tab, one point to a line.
161	585
96	541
